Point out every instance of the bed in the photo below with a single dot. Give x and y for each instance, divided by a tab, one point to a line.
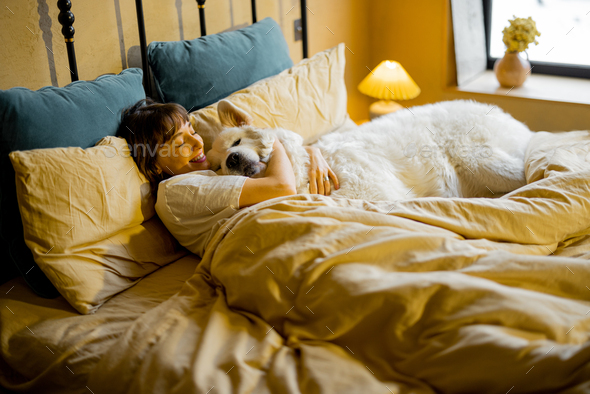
297	294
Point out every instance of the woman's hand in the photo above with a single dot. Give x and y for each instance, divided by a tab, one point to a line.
319	171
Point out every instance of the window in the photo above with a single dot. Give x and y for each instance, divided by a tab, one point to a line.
564	44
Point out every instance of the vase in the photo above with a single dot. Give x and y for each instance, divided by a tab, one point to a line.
512	70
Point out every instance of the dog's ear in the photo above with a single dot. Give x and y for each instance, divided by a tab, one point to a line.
232	116
262	140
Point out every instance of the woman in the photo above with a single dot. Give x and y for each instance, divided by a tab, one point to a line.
192	201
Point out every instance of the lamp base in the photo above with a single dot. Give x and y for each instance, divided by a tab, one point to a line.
383	107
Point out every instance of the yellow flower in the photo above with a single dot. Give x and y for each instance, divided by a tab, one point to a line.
520	34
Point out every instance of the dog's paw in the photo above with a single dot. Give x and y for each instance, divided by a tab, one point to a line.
267	141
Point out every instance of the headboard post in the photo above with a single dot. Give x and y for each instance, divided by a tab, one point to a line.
201	5
66	19
304	27
143	48
254	18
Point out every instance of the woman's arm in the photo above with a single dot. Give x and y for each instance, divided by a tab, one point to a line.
318	171
278	181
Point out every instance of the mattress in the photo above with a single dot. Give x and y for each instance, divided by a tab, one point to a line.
43	338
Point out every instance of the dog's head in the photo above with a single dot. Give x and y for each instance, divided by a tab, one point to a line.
241	148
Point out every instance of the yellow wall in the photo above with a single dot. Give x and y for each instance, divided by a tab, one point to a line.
107	40
415	33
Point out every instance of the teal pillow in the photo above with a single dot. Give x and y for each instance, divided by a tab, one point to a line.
79	114
202	71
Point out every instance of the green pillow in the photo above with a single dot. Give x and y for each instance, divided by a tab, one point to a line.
202	71
78	114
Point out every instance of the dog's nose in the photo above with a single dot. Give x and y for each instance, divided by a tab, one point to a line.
233	160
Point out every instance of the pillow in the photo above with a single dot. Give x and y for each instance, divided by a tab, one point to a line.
202	71
78	114
309	99
89	219
551	153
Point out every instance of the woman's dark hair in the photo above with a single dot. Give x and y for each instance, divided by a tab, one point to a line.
147	125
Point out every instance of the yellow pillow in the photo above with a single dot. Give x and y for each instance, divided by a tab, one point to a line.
309	99
89	219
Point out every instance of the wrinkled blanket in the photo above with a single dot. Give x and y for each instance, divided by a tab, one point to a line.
315	294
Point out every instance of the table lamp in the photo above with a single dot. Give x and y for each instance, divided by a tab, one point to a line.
388	81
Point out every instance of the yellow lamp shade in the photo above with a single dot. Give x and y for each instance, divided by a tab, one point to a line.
389	81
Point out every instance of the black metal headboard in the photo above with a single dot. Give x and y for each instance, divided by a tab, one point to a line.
66	19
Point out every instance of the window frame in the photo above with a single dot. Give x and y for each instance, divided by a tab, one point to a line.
568	70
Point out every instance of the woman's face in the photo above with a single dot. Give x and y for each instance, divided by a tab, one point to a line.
182	153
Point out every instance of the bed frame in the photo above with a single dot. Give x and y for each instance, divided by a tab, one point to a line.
66	19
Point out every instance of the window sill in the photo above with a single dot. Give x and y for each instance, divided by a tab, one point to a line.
536	87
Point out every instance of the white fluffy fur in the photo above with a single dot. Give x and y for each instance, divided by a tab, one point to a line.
448	149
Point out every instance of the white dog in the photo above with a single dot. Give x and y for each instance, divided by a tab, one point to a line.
448	149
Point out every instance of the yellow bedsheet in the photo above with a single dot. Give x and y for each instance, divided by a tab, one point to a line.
48	347
312	294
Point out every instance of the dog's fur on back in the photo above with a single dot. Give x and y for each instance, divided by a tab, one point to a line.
449	149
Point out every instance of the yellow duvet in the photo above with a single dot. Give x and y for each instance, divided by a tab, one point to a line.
312	294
